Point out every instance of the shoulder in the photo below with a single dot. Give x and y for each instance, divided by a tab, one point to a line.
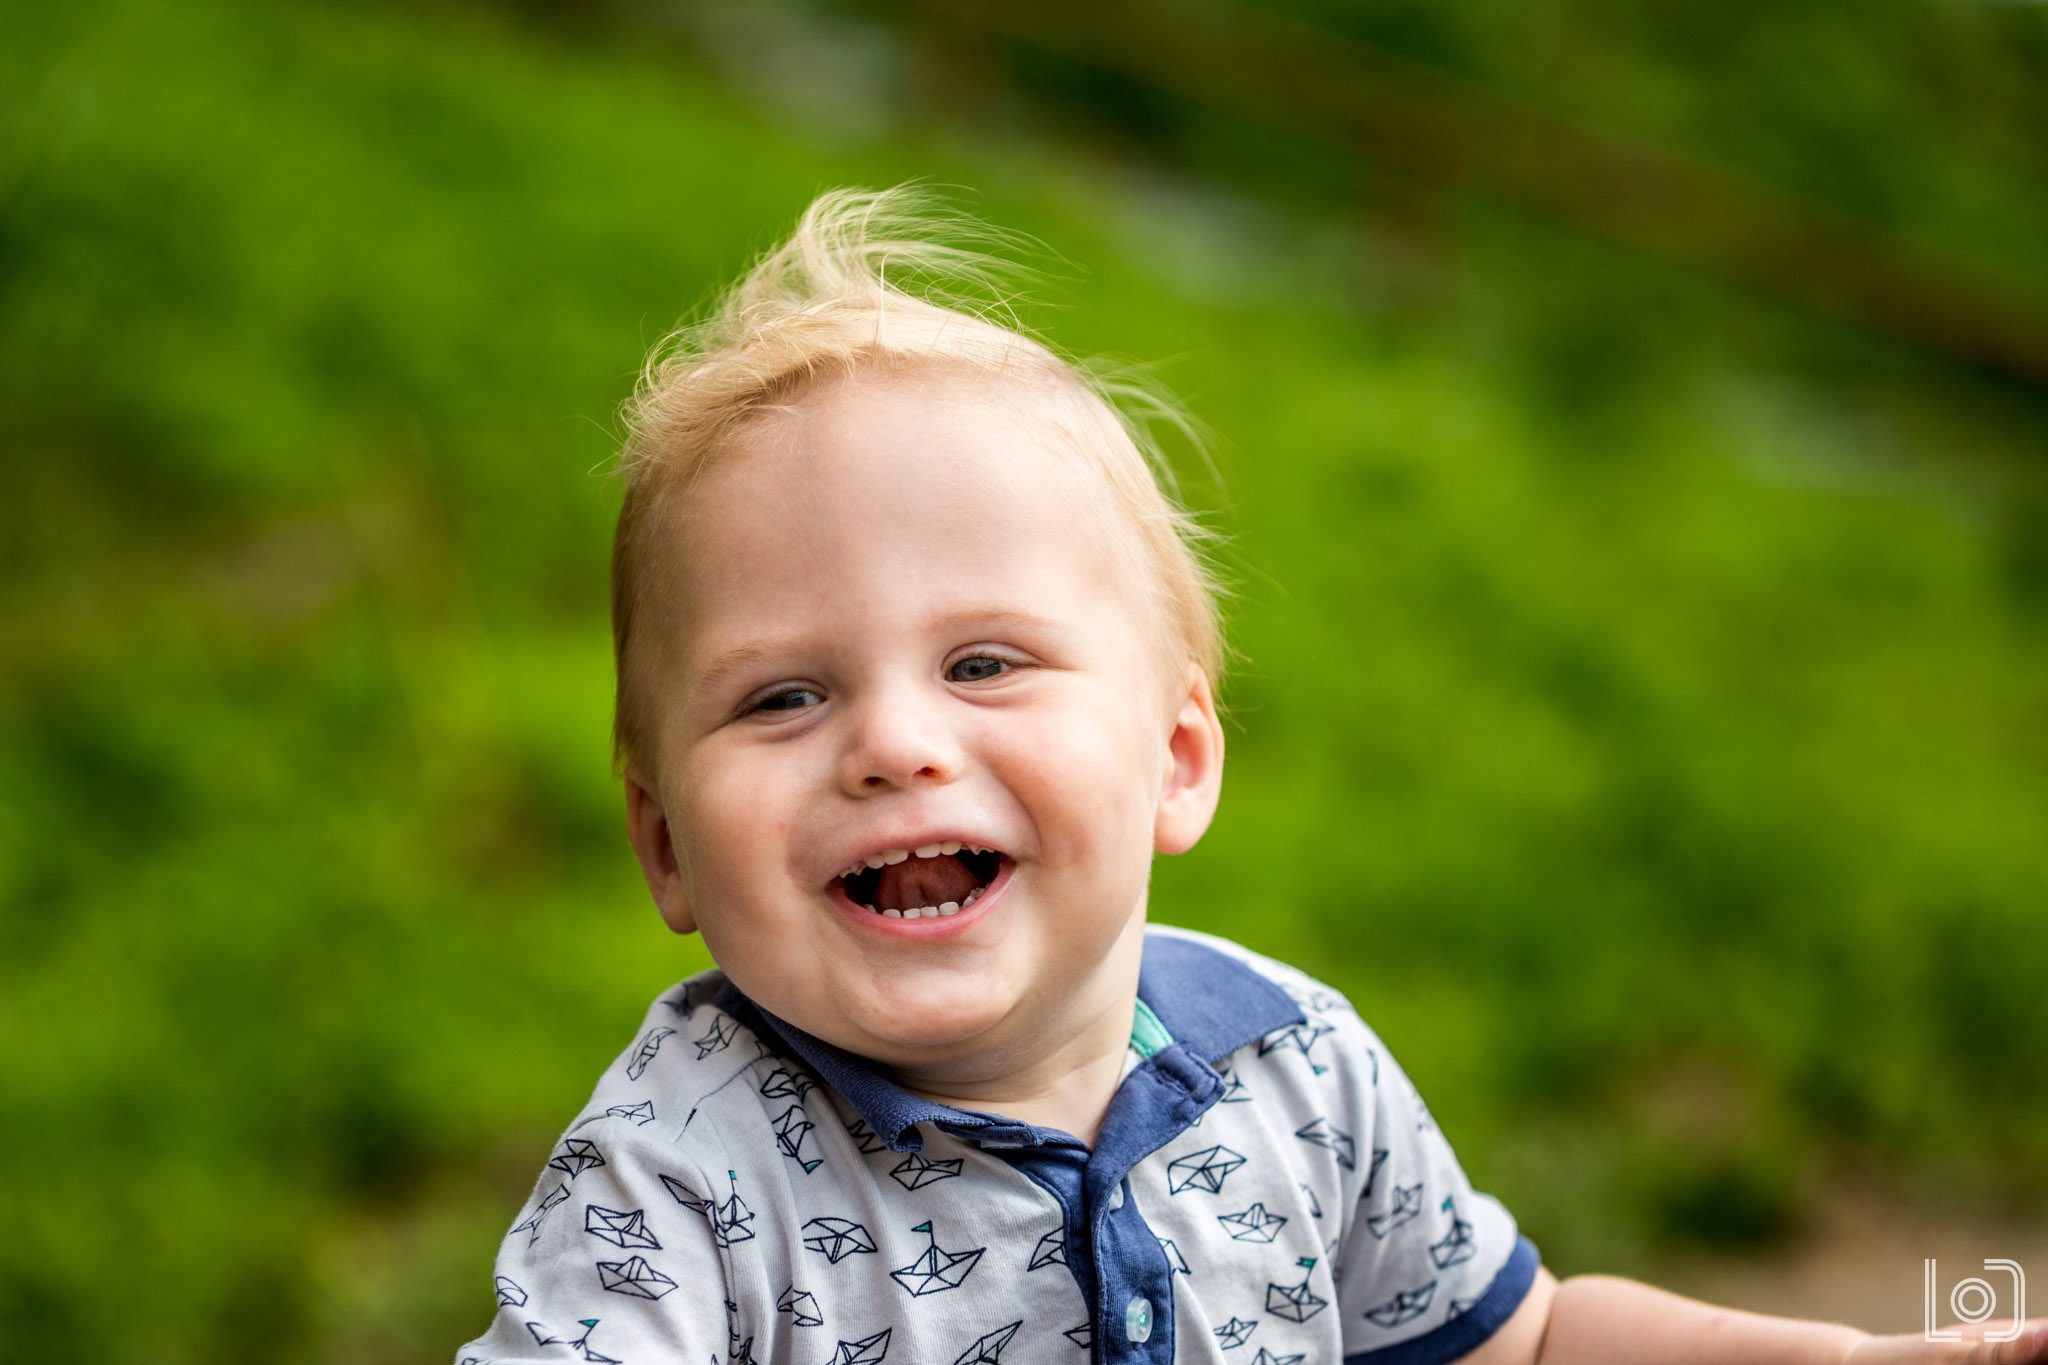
1318	1046
1316	1005
1306	991
691	1059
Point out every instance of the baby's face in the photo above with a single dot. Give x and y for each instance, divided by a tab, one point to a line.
918	739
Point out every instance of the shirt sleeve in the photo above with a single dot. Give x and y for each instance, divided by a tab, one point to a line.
613	1258
1429	1268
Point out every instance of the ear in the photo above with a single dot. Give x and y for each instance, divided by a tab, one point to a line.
1194	769
647	827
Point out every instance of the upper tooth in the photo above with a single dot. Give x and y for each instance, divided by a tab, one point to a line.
875	859
950	847
895	855
929	851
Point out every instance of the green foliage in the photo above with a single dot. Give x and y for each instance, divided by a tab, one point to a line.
1642	717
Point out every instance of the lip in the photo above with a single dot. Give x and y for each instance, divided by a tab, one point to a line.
926	929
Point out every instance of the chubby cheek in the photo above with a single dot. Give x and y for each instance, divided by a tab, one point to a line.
734	833
1087	786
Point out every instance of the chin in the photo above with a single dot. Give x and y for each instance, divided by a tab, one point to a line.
938	1022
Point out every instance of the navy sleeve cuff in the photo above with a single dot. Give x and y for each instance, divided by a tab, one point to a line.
1462	1334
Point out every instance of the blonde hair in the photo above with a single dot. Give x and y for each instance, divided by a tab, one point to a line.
884	278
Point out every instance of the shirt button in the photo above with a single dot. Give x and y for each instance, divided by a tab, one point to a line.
1138	1320
1116	1201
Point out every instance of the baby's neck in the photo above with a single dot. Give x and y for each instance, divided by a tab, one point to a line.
1067	1087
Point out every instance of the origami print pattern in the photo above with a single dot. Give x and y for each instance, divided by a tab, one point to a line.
792	1126
1459	1308
1266	1357
1320	1133
837	1238
1295	1302
650	1044
802	1307
783	1082
1407	1203
1176	1264
724	1028
1234	1333
1082	1336
620	1227
1372	1177
1405	1306
730	1220
1315	1205
543	1335
1300	1037
1051	1250
737	1352
576	1156
938	1269
1203	1170
510	1294
641	1113
866	1351
1457	1246
864	1138
916	1171
1233	1090
559	1195
634	1277
988	1350
1253	1224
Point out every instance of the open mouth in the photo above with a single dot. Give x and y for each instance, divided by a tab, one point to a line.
925	883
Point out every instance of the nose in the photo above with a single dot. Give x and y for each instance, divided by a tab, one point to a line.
899	738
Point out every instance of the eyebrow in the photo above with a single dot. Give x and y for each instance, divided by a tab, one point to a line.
721	670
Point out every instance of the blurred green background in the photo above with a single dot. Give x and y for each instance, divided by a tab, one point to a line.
1633	442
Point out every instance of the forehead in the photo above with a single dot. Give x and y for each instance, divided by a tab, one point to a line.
878	497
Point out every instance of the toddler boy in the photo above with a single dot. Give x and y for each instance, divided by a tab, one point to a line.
914	667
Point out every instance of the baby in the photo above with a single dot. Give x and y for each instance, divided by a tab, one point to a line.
914	677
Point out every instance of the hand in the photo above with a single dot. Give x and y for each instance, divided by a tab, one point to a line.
2029	1348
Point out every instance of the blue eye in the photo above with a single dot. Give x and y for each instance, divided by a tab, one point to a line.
789	699
977	668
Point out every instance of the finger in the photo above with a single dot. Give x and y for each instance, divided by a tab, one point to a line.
2030	1347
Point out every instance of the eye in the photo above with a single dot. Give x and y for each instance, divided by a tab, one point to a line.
978	668
788	699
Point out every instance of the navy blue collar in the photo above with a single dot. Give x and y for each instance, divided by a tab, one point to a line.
1210	1002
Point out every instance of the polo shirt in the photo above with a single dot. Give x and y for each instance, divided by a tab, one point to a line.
1267	1188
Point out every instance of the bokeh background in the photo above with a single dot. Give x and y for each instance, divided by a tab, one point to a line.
1632	435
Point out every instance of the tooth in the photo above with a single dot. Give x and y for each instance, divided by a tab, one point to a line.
950	847
928	851
873	860
972	897
892	914
950	908
931	912
894	856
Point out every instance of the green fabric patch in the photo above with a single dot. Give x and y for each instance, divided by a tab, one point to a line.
1148	1035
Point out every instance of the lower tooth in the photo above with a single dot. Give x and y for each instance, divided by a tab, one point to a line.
972	897
892	914
950	908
